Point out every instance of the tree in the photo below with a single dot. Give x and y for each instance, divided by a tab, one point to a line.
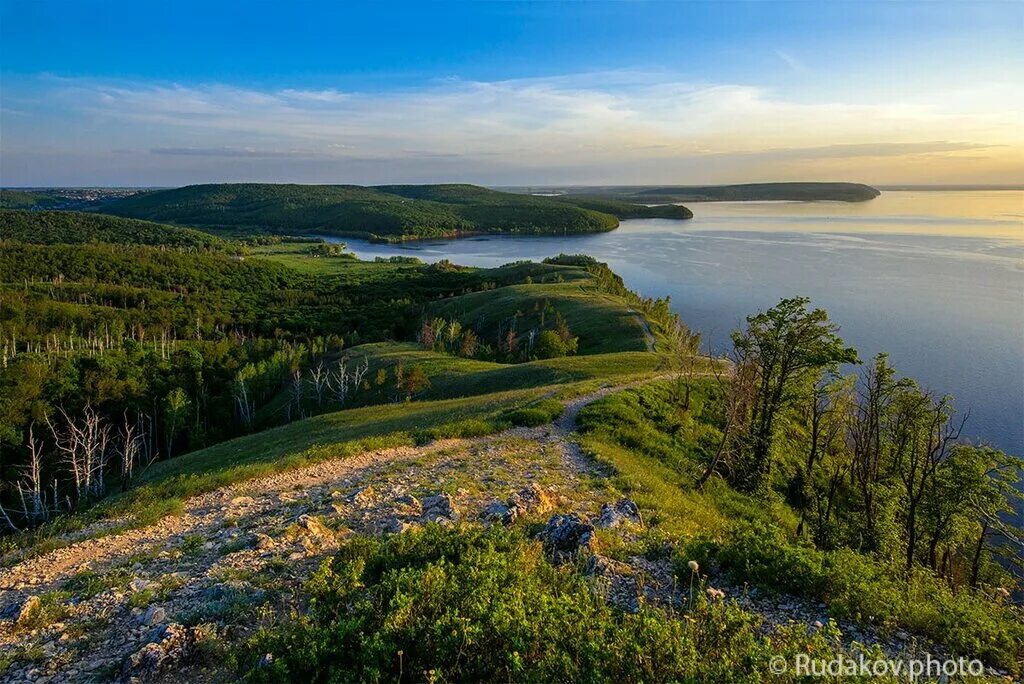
469	345
428	335
318	376
454	331
825	414
684	346
549	345
416	381
789	348
924	430
736	383
176	407
869	438
244	403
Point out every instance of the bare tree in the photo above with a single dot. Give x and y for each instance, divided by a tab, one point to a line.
36	506
685	349
128	450
84	444
318	375
338	382
358	372
243	402
736	380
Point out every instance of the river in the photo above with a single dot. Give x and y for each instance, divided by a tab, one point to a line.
934	278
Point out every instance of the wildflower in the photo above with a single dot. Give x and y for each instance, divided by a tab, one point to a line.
817	624
716	593
694	566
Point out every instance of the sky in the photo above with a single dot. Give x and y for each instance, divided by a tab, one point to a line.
148	93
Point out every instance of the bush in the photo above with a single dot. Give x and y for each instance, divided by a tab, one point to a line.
443	605
858	587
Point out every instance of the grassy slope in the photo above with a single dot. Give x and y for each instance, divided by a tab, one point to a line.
655	453
602	322
73	227
161	489
457	377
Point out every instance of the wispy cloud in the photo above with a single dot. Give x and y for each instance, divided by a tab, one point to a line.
644	127
224	152
792	62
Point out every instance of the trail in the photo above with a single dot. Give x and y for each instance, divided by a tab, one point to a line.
224	536
259	540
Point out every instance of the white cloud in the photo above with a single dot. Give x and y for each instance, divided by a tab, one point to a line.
601	126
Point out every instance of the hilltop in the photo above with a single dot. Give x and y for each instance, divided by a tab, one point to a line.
390	212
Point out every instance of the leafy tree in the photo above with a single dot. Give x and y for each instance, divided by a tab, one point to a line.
176	409
549	345
416	382
789	347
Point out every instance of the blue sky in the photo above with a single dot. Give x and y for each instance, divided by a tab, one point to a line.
148	93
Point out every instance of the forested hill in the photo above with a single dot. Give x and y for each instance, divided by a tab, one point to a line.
841	192
74	227
384	212
744	192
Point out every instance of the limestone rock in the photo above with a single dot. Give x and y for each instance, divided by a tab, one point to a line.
531	499
314	535
138	584
176	645
314	527
566	536
264	542
395	525
154	615
497	512
623	511
440	508
29	608
615	581
364	496
408	505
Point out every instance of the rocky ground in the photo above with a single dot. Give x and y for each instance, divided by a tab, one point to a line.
148	604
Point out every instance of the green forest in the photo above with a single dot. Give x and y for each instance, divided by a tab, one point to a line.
387	212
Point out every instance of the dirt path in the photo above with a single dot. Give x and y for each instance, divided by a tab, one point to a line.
105	597
250	547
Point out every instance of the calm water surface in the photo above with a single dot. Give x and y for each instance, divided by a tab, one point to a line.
934	278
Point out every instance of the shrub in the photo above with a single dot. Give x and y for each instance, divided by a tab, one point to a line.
858	587
444	605
550	345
